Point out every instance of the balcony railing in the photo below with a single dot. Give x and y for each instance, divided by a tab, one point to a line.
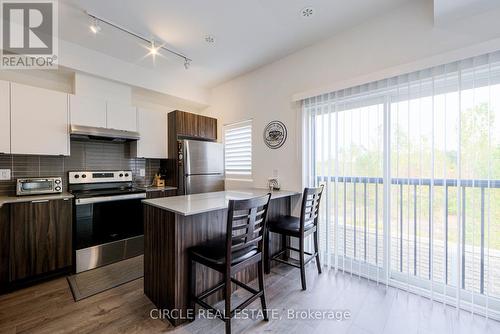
407	194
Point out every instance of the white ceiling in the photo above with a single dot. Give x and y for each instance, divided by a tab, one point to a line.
449	10
248	33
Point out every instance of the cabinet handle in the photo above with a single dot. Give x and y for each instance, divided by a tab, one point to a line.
40	201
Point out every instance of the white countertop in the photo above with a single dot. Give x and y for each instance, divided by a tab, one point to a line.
199	203
29	198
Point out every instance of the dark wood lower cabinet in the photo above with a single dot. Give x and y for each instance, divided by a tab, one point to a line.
40	238
4	247
161	193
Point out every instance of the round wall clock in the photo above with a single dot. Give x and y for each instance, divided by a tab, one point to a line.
275	134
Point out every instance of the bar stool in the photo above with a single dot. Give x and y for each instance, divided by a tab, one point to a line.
300	228
241	247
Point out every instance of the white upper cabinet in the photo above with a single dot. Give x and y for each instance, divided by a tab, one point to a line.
4	117
152	126
87	111
91	111
39	121
121	116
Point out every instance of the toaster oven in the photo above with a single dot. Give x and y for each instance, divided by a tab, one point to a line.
38	186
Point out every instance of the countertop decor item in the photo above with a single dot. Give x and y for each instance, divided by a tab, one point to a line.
273	183
158	181
275	134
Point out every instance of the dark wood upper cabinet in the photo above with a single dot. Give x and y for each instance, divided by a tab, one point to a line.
207	127
188	125
40	238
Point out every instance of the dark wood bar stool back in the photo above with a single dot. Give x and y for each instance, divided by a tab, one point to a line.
298	227
241	247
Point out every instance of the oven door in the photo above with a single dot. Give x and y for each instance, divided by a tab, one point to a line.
108	229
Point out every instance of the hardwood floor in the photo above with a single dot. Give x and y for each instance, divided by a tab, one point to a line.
49	308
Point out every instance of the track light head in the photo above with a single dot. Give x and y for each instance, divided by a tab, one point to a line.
94	25
187	64
154	48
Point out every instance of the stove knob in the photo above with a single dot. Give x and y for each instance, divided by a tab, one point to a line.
58	188
121	175
77	176
84	175
126	174
57	181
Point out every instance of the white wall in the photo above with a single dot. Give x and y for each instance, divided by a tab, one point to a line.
88	85
59	80
80	59
401	40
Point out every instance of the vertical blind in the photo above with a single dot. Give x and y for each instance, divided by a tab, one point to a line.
238	149
411	166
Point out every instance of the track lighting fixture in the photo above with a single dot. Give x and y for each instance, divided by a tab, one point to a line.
154	47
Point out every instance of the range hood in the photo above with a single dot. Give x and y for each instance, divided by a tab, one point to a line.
95	133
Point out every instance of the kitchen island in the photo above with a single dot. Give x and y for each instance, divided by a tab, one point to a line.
174	224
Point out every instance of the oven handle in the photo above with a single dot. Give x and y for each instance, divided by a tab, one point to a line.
92	200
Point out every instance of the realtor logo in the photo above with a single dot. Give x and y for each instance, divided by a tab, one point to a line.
29	34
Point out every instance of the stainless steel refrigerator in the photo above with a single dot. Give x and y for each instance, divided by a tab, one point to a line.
201	167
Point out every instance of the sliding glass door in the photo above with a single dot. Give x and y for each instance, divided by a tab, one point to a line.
411	166
349	163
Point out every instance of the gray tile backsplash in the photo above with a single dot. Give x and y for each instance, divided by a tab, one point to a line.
85	155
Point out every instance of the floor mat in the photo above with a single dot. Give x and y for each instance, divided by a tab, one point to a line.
92	282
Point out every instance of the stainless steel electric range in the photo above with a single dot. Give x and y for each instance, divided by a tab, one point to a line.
108	222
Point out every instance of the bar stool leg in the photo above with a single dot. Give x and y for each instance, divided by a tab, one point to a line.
227	297
285	245
302	266
261	288
317	251
267	252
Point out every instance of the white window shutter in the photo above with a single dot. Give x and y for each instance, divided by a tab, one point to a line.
238	150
